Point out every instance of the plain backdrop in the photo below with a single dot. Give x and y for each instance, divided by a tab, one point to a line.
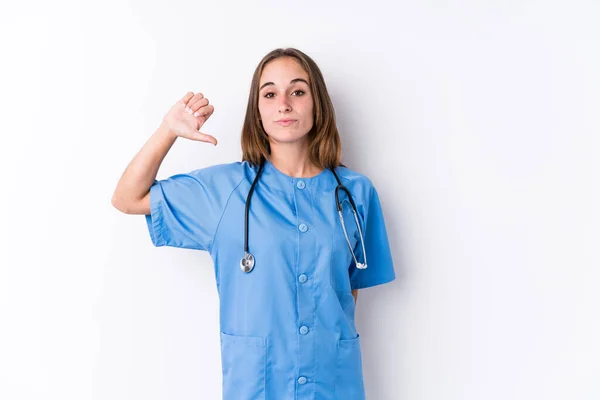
477	122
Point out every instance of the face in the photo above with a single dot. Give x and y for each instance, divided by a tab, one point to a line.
285	95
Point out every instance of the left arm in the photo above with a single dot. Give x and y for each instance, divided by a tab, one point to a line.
355	294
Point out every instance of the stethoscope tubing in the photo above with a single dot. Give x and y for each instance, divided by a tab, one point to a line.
247	262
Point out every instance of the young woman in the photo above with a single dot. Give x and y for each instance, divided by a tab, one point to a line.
292	232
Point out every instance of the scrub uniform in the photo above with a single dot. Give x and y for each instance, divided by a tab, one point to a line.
287	327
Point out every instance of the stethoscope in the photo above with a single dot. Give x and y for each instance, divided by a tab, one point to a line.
247	262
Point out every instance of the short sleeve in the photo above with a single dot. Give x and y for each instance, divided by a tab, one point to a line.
380	266
185	209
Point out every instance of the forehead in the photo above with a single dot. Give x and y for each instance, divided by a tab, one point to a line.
282	70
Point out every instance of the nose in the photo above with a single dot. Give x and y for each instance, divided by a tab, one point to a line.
284	104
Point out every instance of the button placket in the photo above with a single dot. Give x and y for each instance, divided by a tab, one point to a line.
305	266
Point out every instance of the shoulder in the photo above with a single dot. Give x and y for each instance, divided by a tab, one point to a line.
359	184
219	180
226	174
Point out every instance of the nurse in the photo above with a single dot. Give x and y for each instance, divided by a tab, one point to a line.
287	322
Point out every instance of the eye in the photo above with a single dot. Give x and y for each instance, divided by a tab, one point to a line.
295	91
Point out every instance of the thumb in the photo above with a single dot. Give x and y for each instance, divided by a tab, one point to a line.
206	138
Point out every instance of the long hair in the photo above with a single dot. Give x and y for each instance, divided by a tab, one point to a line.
325	147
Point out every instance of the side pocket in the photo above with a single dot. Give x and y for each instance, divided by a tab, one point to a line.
349	383
243	360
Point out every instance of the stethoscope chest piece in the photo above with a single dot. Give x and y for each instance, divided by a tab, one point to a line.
247	262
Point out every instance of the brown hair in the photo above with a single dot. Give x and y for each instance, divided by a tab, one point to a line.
325	147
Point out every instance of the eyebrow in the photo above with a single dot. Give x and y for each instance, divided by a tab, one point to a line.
292	81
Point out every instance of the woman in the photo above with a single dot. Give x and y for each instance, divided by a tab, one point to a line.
286	278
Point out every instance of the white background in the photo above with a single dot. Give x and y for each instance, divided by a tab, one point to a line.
477	122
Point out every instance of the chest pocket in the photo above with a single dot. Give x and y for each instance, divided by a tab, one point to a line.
341	257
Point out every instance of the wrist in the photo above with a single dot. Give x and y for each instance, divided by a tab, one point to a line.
165	131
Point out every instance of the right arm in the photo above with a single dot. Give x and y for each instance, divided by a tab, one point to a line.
132	195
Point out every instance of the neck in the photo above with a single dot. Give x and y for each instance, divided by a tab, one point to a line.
293	160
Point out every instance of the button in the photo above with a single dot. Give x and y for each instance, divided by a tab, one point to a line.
300	185
303	227
302	380
302	278
304	330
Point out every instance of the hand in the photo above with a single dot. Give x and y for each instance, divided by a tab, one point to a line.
187	116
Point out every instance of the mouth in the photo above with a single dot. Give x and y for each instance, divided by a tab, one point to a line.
286	122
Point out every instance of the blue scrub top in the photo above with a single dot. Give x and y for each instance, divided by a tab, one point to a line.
287	327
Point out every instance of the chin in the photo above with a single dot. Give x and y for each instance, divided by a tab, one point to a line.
282	136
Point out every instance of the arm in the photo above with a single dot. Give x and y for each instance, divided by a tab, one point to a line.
132	195
355	294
